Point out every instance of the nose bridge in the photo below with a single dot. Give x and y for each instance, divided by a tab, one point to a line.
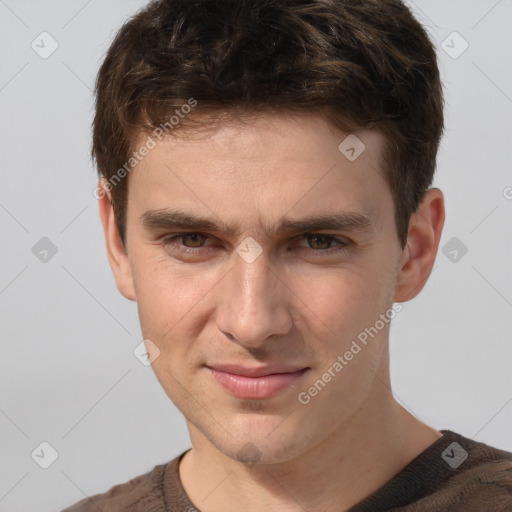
254	307
251	283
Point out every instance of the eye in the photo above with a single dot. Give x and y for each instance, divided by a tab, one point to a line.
321	243
195	239
192	242
195	243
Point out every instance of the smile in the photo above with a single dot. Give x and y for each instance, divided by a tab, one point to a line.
256	387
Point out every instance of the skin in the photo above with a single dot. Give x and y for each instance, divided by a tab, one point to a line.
289	305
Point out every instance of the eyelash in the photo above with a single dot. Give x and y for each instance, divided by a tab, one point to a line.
170	241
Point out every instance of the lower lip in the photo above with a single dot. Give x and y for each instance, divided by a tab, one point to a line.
256	387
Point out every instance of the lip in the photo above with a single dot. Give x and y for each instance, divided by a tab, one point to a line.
261	382
259	371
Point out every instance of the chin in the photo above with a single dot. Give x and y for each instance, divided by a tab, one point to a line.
260	447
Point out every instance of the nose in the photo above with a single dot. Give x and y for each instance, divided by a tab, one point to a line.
254	304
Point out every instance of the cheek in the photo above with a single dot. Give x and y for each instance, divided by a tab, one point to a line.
339	307
341	298
166	296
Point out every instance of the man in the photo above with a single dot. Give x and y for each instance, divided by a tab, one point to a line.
265	169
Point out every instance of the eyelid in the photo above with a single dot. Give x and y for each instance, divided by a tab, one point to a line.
170	237
338	238
341	243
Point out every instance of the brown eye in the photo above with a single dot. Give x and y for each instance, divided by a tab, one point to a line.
319	241
188	243
195	239
319	244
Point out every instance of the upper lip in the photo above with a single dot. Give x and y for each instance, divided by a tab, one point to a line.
259	371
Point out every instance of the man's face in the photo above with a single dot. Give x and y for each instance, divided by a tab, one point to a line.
259	296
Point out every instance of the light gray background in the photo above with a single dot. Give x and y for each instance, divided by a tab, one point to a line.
67	372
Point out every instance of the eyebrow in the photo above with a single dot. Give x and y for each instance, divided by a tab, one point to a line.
160	219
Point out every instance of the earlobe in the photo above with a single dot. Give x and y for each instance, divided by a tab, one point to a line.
419	254
117	255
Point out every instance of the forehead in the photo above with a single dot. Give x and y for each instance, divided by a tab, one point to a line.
270	164
298	132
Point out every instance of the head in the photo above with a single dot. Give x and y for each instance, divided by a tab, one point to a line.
242	121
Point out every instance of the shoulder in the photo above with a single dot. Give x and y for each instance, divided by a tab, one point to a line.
486	485
141	493
481	482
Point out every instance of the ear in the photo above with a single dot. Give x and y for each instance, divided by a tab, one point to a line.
117	256
419	254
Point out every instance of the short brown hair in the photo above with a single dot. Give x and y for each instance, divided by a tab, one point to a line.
362	63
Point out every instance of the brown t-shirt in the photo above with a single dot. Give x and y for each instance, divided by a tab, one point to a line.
454	474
